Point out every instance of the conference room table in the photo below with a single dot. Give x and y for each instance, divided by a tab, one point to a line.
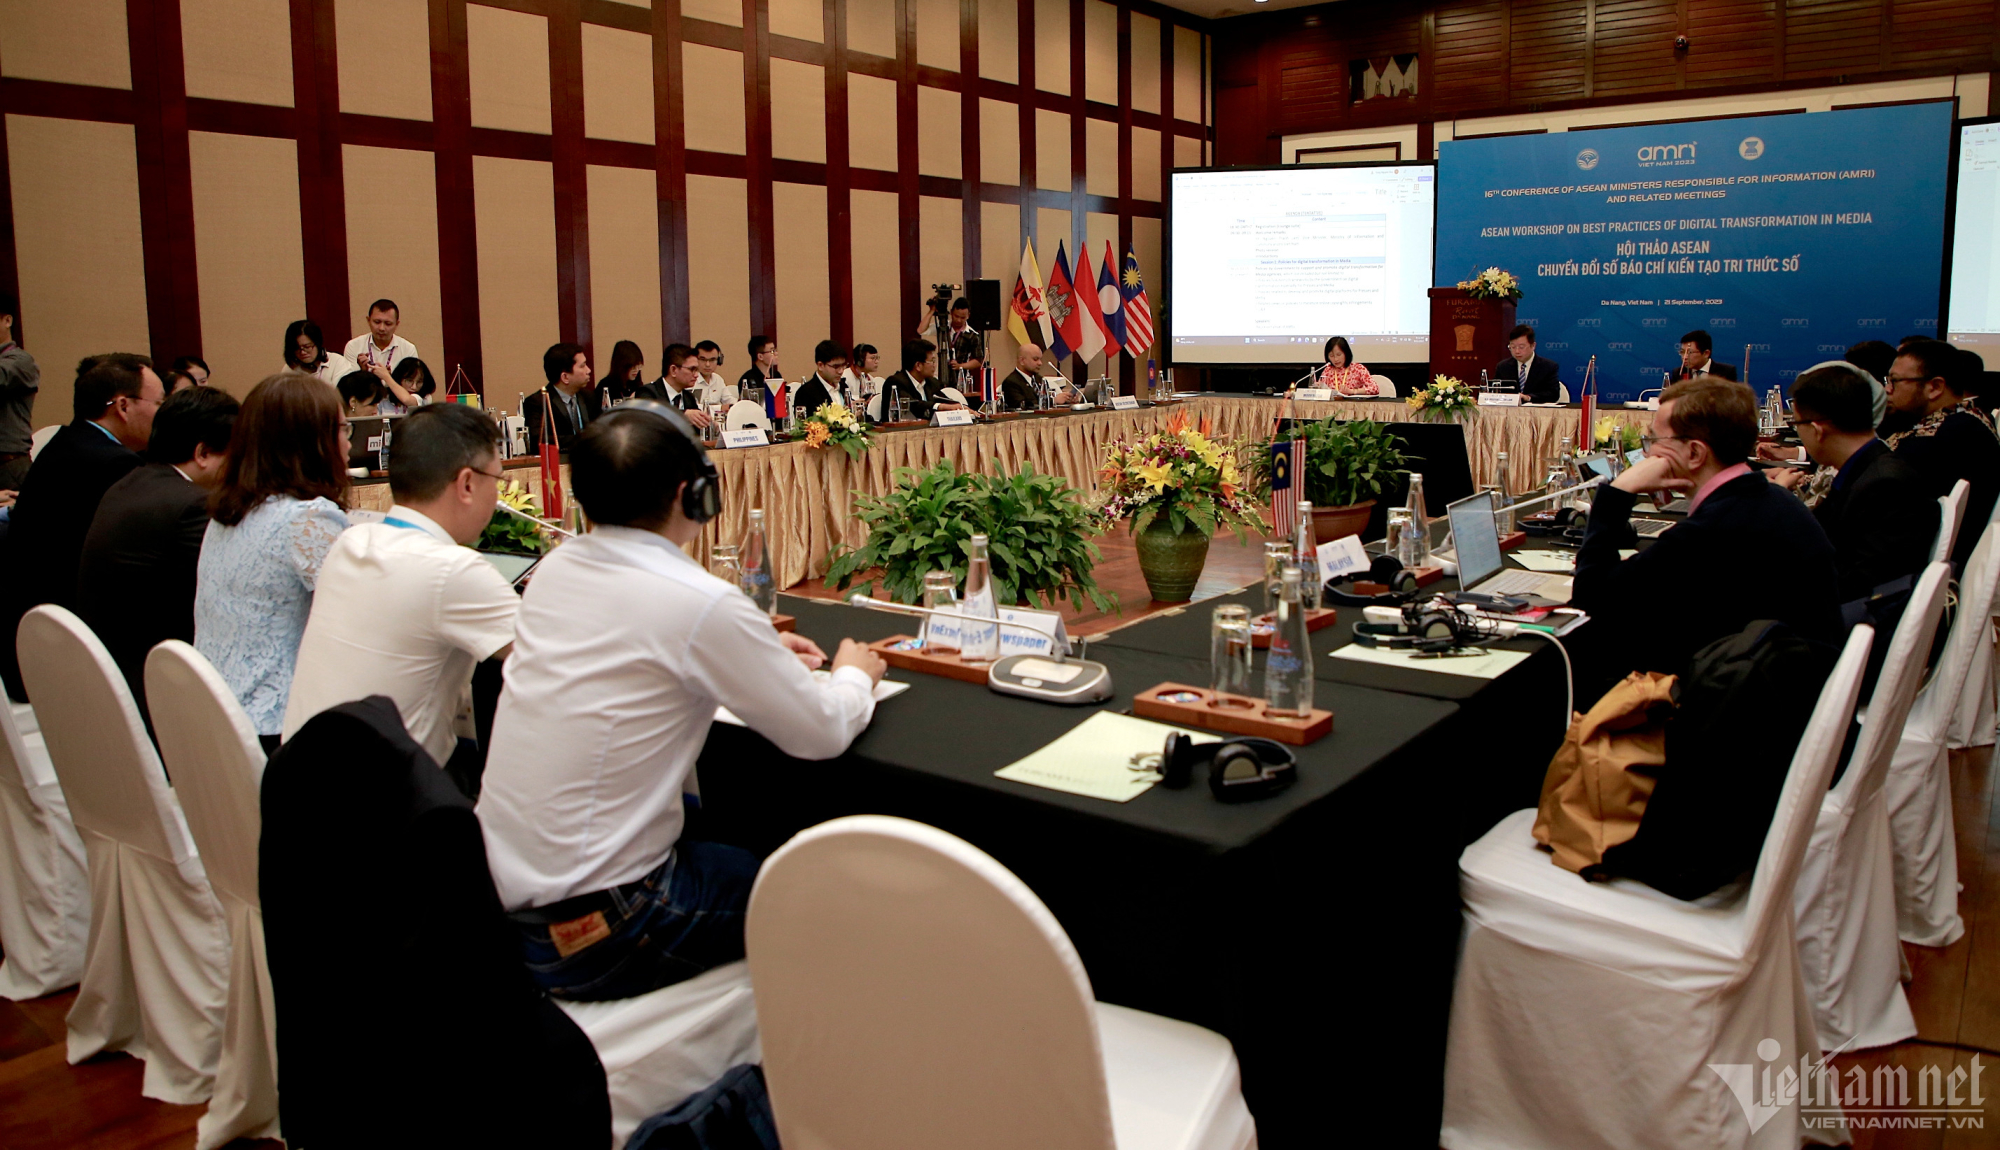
1316	928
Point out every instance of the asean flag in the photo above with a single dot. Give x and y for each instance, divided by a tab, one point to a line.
1064	317
1111	302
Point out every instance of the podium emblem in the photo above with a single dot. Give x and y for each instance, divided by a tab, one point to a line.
1463	333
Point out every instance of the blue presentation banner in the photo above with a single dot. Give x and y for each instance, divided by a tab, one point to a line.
1795	235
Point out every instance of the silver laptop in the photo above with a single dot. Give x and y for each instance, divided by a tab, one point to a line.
1481	569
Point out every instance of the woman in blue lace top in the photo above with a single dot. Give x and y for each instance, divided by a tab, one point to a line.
275	514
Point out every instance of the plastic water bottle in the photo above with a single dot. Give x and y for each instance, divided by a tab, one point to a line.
1305	554
1288	672
756	558
976	643
1503	496
382	452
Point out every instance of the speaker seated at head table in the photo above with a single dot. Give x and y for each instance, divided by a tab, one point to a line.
916	389
1747	550
1533	374
1020	390
1698	360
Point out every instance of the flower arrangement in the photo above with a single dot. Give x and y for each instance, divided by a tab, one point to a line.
1179	476
1493	283
1445	399
1607	435
833	423
506	532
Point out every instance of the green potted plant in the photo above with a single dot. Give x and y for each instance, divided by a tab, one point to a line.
1177	487
511	533
1347	466
1038	529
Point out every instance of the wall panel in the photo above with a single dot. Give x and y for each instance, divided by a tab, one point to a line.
392	246
517	274
83	283
877	306
719	265
999	40
385	58
508	55
798	111
1052	45
937	33
718	11
617	84
1188	84
804	305
941	245
1145	63
871	122
1000	145
1100	157
799	19
238	50
871	26
1000	259
248	253
625	264
1052	132
41	41
1100	52
1146	163
714	99
938	134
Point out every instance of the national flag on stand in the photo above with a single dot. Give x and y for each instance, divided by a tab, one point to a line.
1111	301
1286	460
1028	313
1138	309
1090	319
1586	436
1060	295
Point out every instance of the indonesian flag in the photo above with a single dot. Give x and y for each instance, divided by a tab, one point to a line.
1138	309
1063	317
1089	317
1028	315
1111	301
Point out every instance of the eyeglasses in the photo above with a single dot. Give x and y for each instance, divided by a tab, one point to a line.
1893	380
1647	441
496	476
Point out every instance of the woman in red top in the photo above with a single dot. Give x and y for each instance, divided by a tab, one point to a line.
1342	374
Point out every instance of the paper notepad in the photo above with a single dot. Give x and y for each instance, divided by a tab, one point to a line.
1486	665
1548	562
1098	756
886	689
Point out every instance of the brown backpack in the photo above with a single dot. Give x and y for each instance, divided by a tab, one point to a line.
1597	785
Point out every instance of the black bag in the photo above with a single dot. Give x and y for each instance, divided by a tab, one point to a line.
733	1114
1741	707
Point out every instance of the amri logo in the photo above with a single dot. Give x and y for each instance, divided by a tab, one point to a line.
1587	159
1556	345
1750	148
1795	323
1653	322
1830	349
1592	322
1616	346
1721	321
1657	155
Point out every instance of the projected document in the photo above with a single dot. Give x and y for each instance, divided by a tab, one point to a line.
1268	264
1974	317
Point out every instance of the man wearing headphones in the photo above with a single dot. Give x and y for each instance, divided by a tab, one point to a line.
624	648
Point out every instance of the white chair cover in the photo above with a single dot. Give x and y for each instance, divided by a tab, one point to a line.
661	1048
1590	1014
951	395
211	750
1562	393
1845	901
44	883
745	414
41	439
914	994
1951	513
158	958
1973	725
1383	385
1918	788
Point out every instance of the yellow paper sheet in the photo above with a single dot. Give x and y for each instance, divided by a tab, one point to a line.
1096	758
1486	665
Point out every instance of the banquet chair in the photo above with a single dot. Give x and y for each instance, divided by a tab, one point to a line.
953	395
157	963
210	749
1562	393
745	414
1383	385
44	881
1973	725
1918	786
41	439
915	994
1951	513
1590	1014
1845	902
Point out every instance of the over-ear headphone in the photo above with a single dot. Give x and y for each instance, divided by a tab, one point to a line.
1433	627
701	499
1557	522
1239	769
1386	570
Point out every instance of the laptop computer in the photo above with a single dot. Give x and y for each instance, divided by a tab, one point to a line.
365	439
1482	573
513	568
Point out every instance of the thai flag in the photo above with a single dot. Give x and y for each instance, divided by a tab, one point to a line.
1286	460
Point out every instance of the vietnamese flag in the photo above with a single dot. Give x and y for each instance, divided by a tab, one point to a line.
1060	295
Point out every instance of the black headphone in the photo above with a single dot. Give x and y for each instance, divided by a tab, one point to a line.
701	499
1558	522
1239	769
1432	628
1386	570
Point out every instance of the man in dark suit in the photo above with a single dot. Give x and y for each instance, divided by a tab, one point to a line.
680	386
823	385
567	404
1748	549
1696	360
1880	514
147	534
1021	390
1535	375
909	386
1934	424
763	375
114	401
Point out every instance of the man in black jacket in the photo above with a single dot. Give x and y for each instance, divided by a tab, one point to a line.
114	401
1748	550
823	385
1535	375
1943	433
680	384
567	403
147	534
1879	514
911	386
1698	359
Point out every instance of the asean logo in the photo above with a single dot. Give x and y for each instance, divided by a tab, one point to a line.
1750	148
1587	159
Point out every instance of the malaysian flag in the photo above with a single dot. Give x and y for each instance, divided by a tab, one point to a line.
1286	460
1138	310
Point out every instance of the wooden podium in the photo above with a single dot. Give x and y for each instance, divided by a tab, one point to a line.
1468	335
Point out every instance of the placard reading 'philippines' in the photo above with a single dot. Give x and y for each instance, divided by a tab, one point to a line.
1796	235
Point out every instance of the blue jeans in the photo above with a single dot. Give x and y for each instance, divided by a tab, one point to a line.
682	919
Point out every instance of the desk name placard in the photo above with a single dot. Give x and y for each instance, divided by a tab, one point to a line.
1342	557
746	437
960	418
1320	394
1124	403
1499	399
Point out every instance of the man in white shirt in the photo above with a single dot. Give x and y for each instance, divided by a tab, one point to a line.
380	346
624	649
402	607
714	389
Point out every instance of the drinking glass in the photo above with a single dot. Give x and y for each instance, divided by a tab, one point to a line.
1229	650
1276	554
940	594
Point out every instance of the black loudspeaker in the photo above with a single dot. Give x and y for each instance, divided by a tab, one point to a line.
984	296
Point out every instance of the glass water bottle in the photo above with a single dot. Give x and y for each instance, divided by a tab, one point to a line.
382	453
1288	671
940	594
1503	496
756	559
977	643
1421	518
1305	554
